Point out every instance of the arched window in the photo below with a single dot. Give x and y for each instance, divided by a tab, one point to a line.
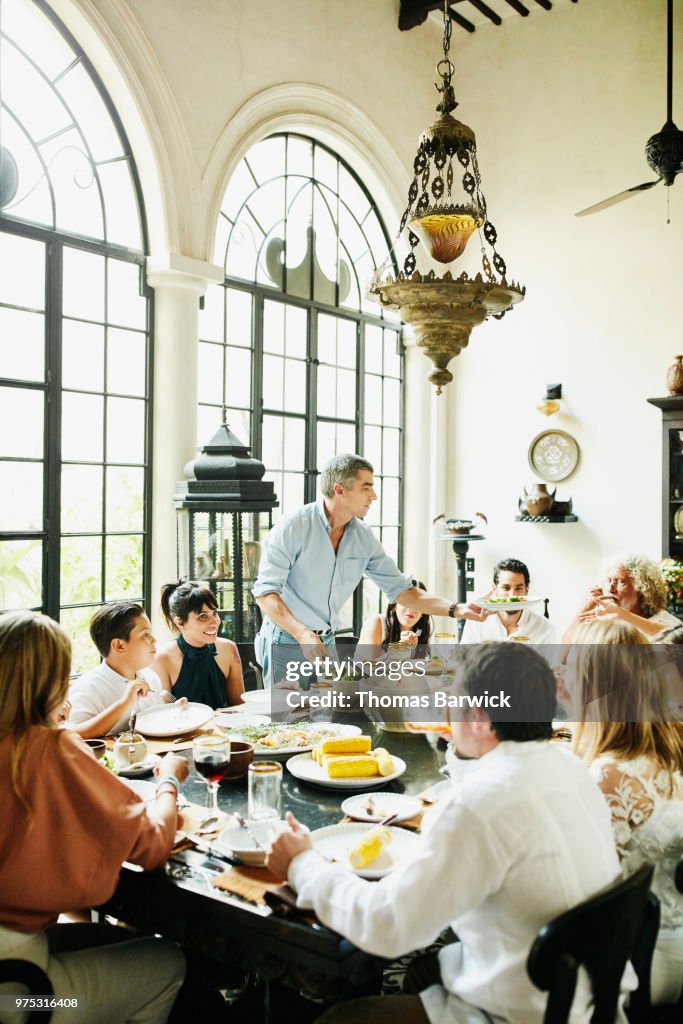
74	334
305	363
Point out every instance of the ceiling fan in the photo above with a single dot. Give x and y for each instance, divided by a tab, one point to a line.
664	151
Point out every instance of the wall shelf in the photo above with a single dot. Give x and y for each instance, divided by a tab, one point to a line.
547	519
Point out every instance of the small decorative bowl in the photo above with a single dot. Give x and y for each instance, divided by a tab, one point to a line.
241	756
98	748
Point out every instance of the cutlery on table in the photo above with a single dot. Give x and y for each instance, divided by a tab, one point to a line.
208	825
242	824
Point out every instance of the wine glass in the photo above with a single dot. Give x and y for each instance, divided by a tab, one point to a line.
211	756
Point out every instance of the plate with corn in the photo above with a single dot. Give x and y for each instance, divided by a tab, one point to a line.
346	762
371	851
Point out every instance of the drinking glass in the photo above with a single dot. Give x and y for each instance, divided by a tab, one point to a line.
265	782
211	756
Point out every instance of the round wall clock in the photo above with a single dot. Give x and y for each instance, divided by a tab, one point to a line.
554	455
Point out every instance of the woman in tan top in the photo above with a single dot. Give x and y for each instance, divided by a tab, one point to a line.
66	826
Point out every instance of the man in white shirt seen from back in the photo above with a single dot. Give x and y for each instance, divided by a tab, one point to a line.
510	580
526	837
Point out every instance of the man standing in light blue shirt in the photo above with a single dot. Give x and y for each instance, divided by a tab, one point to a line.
314	559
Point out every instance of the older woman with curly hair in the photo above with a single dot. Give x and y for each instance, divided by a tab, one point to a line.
634	592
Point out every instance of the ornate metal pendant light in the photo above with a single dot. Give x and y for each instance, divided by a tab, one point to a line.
443	310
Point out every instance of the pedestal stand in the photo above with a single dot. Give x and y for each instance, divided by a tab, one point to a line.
461	545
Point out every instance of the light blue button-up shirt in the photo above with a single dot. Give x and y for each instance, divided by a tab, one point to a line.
299	564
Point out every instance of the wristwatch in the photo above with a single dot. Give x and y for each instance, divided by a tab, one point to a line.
452	611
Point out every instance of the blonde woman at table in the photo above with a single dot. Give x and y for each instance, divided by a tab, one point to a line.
198	664
66	826
636	756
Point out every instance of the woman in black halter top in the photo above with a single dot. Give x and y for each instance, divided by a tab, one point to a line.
198	664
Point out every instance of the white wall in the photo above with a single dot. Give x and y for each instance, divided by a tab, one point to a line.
562	104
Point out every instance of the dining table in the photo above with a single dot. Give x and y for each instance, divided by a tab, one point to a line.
184	900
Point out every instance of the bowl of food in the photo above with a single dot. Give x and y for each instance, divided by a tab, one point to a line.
249	842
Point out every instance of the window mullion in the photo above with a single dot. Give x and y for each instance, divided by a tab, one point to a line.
310	478
257	377
53	419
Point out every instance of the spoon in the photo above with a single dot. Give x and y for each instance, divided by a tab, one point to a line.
208	825
242	823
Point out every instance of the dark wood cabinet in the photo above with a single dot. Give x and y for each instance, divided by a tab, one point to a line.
672	475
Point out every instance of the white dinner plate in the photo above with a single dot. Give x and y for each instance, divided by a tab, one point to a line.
173	719
238	718
305	768
335	841
443	789
140	768
375	808
312	733
508	606
256	696
145	790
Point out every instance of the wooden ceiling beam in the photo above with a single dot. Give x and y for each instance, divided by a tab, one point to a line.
517	6
459	20
412	13
487	12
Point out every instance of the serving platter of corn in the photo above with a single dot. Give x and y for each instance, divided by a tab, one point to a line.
371	851
347	762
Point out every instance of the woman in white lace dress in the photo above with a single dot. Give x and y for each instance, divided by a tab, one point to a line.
636	756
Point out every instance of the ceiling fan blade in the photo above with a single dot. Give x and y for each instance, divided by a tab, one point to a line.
618	198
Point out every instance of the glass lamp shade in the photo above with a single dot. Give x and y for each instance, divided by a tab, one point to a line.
444	231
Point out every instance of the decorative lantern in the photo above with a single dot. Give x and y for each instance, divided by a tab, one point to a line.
443	310
223	511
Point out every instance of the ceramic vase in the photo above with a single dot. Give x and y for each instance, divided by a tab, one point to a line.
674	377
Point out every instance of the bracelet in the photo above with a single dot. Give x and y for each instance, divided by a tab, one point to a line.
170	779
452	611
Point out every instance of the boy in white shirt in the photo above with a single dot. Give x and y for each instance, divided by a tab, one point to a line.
104	698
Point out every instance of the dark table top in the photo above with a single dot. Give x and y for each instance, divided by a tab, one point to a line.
179	901
317	807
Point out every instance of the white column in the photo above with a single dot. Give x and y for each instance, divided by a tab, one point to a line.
178	284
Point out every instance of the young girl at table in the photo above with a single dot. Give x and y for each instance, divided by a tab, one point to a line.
66	826
398	624
198	664
636	755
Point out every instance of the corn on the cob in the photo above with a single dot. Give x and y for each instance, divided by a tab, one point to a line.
385	762
345	745
369	847
344	766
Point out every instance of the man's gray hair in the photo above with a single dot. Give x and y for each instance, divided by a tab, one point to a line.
342	469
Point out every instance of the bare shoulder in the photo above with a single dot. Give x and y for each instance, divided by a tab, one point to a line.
226	651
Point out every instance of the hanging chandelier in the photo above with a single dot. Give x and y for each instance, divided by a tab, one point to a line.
443	310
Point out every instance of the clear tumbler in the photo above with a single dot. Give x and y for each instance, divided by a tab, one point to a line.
265	784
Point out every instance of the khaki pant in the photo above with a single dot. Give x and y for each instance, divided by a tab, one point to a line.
133	981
